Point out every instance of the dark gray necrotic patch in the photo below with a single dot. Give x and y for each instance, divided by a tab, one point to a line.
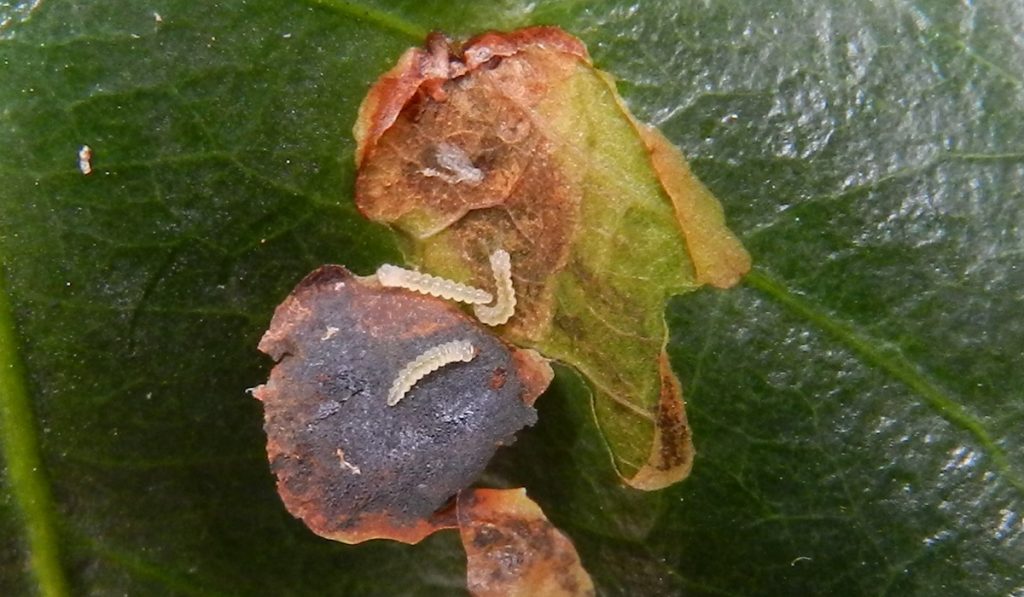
339	452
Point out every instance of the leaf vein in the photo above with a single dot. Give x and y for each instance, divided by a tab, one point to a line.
21	449
373	16
893	363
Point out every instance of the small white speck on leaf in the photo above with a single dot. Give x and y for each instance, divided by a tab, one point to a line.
454	166
85	160
346	464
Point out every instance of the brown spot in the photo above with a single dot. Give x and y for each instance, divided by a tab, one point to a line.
676	445
498	378
672	452
512	548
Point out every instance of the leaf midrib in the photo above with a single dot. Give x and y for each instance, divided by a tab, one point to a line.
26	476
375	17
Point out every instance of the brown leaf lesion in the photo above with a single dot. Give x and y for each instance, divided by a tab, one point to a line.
672	450
427	70
351	466
354	468
512	549
476	171
468	148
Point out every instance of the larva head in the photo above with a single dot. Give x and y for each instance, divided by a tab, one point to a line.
353	468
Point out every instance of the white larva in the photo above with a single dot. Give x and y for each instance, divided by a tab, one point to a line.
505	306
428	362
394	276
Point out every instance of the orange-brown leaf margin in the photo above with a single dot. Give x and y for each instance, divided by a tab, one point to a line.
429	68
512	550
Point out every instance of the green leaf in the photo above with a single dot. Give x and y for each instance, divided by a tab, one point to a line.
856	405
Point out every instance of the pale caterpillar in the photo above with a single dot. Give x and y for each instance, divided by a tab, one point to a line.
394	276
505	306
497	314
428	362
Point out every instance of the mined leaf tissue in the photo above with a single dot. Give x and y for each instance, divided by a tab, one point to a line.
515	142
520	184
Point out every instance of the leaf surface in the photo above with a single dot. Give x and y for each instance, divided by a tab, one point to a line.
856	404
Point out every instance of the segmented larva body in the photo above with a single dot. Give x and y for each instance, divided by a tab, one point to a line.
397	277
428	362
505	305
